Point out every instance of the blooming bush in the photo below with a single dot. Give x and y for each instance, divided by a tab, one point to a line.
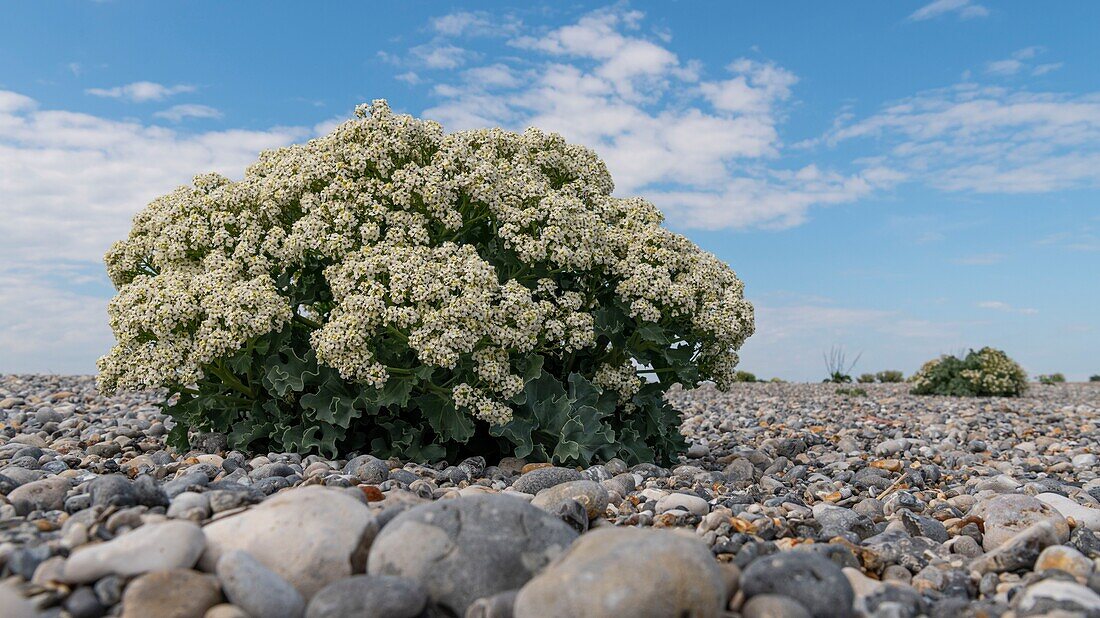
985	373
890	376
395	288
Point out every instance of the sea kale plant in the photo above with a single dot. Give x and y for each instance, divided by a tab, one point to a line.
393	288
985	373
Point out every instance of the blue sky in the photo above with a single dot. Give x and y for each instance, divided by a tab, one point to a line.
902	179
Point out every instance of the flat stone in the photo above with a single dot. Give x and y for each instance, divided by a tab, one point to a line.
542	478
310	536
1006	515
689	503
45	495
471	547
807	577
13	603
173	593
226	610
1067	559
627	572
1020	551
1083	515
589	493
1050	596
112	490
381	596
773	606
256	589
153	547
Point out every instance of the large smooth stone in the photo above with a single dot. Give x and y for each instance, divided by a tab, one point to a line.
627	572
1084	515
309	536
810	578
590	494
152	547
175	593
471	547
1007	515
13	603
257	589
380	596
45	495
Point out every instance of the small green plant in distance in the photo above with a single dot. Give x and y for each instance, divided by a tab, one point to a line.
393	288
890	377
985	373
851	392
1095	378
837	369
745	376
866	378
1053	378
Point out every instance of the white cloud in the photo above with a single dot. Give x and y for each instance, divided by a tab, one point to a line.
997	305
141	92
71	181
701	149
1043	69
474	23
177	113
70	184
435	56
965	9
1018	61
987	139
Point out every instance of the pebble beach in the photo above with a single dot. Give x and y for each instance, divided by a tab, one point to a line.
792	501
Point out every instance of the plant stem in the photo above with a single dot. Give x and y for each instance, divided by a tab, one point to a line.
230	380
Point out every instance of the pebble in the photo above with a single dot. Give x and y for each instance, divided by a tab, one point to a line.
773	606
152	547
1083	515
43	495
611	572
462	550
590	494
173	593
1066	559
311	536
1051	596
811	579
689	503
380	596
256	589
543	478
1006	515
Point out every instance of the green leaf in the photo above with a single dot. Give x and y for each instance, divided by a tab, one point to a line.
447	422
654	334
290	375
333	404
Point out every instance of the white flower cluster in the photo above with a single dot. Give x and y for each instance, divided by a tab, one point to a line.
410	223
997	373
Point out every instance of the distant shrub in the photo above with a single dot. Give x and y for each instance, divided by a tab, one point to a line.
890	376
866	378
782	381
837	369
1053	378
1095	378
985	373
851	392
744	376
